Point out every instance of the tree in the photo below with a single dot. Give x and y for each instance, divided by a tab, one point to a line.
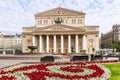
116	45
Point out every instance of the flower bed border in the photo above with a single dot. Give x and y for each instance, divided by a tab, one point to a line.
58	63
98	61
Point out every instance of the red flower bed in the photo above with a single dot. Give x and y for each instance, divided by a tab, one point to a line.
73	68
7	78
58	70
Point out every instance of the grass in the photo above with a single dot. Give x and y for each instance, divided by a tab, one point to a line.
115	70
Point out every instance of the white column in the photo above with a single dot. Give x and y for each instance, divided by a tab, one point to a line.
97	43
62	44
76	43
69	44
40	44
84	42
33	40
54	43
47	43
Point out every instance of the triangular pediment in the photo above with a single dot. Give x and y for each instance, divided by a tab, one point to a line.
59	27
59	11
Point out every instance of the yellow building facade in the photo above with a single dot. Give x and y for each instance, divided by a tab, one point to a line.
60	30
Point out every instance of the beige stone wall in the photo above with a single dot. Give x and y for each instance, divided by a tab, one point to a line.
42	22
26	41
51	44
44	44
92	42
80	43
65	43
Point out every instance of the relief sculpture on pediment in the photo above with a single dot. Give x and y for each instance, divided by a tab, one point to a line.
58	28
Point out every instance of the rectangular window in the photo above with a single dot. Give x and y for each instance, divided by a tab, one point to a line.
52	21
45	21
40	21
73	21
79	21
62	21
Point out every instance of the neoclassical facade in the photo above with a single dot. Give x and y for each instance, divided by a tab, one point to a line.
60	30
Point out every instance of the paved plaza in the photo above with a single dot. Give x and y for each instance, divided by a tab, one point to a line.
7	60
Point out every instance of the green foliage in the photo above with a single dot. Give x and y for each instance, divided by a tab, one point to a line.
82	50
115	71
116	45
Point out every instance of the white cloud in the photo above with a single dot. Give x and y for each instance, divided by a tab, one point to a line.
104	15
15	14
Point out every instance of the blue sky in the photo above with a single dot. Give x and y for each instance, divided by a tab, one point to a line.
15	14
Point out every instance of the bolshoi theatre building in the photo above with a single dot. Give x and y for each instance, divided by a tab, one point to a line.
60	30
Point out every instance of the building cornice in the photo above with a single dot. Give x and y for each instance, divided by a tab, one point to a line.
57	33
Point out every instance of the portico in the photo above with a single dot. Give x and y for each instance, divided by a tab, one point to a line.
65	46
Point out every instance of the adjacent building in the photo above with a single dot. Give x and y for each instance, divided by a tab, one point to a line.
111	36
60	30
10	43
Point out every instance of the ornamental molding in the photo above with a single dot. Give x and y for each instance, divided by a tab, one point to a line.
57	33
58	27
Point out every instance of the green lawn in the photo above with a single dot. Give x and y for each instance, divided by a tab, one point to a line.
115	70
